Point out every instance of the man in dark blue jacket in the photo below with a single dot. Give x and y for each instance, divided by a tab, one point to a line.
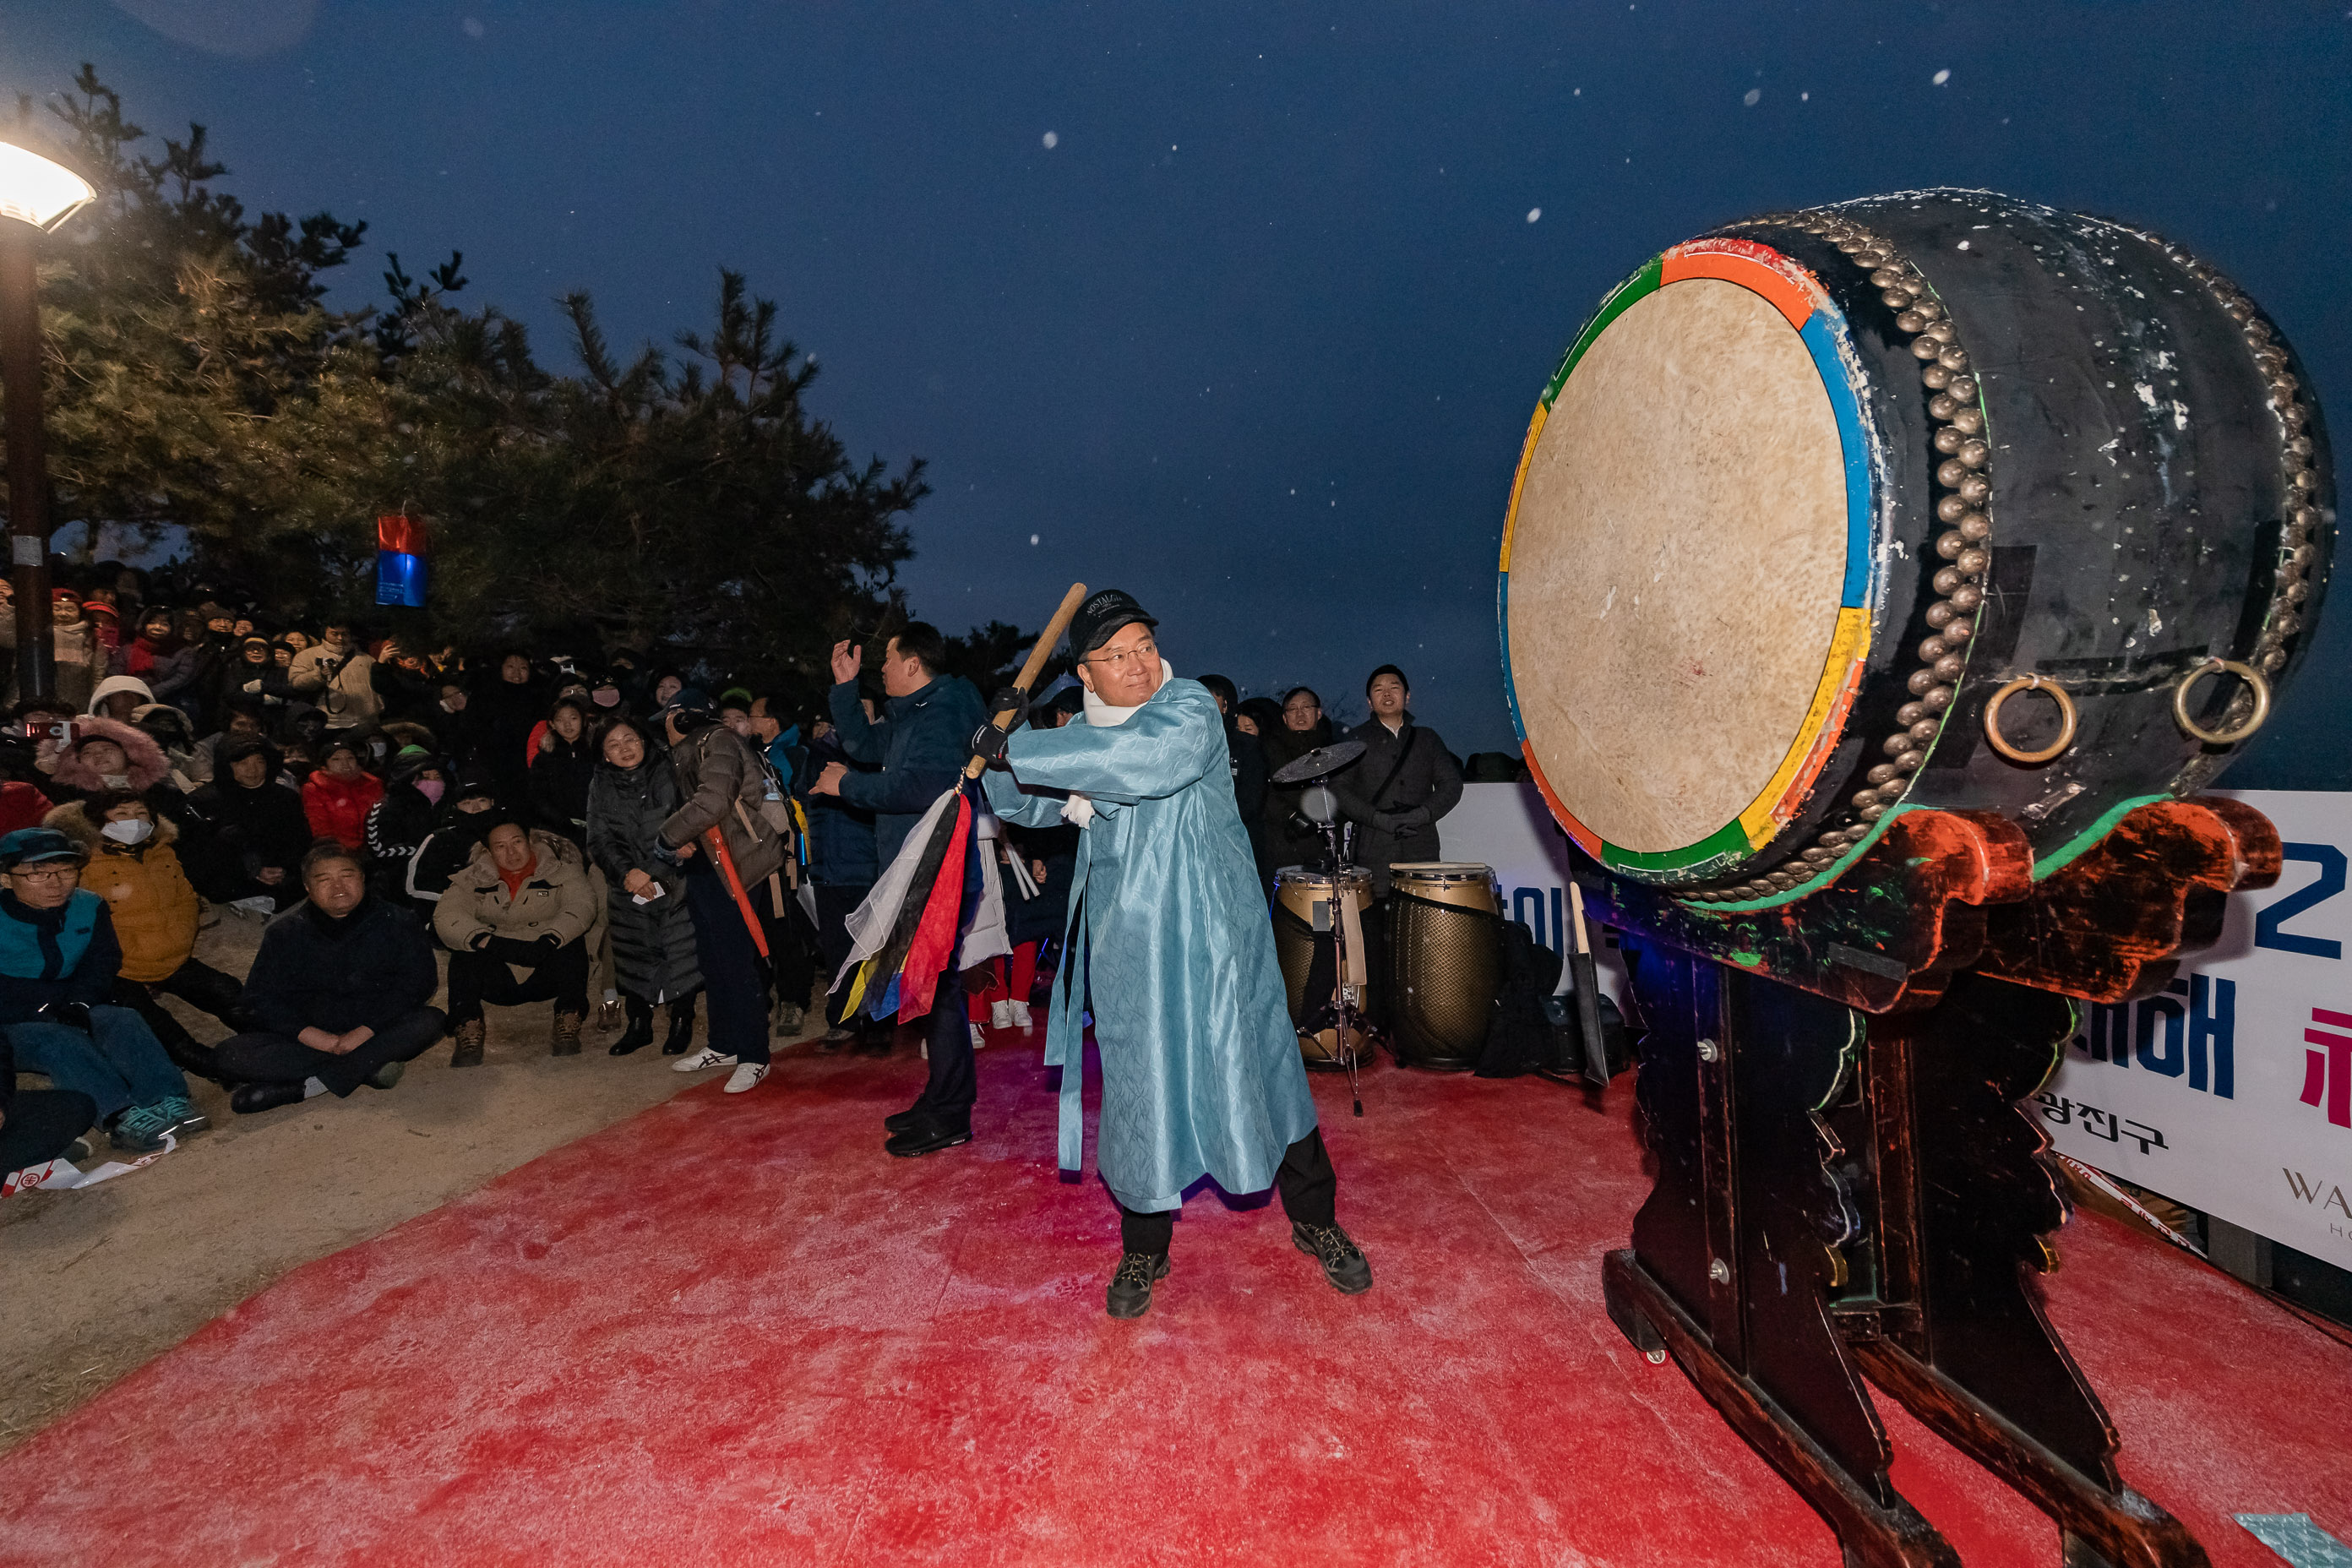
58	956
841	872
339	988
922	744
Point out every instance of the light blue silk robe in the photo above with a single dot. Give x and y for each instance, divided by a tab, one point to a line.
1201	1074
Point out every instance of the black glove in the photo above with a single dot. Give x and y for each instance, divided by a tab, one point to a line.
1014	699
988	744
72	1015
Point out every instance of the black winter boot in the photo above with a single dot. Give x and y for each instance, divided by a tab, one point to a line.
640	1032
681	1028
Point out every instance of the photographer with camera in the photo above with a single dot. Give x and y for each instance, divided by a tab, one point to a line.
340	676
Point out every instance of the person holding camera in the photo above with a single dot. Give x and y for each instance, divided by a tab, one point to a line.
340	676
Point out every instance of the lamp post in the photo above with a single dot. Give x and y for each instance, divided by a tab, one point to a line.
35	194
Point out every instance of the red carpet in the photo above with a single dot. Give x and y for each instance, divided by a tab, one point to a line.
731	1331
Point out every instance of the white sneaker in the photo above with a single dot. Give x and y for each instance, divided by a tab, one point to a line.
999	1015
705	1057
747	1075
1016	1015
979	1038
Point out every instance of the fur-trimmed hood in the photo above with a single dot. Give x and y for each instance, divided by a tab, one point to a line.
73	819
146	758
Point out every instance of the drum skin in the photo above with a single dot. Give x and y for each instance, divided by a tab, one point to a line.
1444	961
2073	454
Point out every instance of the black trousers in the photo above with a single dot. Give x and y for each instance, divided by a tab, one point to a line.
1309	1186
735	987
201	987
476	978
791	944
947	1036
835	905
263	1057
42	1124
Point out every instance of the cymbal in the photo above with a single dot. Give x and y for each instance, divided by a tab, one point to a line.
1322	760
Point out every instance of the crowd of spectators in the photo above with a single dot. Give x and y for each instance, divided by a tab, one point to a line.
519	830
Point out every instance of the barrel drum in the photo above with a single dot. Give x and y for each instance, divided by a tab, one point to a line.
1444	920
1937	499
1308	906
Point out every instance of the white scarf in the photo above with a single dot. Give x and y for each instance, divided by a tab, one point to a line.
1079	809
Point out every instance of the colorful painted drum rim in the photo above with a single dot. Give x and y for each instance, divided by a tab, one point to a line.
1799	296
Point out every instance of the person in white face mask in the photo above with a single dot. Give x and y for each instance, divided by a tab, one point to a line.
134	867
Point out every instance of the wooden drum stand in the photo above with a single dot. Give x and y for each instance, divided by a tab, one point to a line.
1847	1185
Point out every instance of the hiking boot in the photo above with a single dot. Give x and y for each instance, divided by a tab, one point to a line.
835	1037
248	1097
788	1020
470	1037
1343	1260
565	1039
185	1116
385	1076
141	1130
1129	1295
681	1032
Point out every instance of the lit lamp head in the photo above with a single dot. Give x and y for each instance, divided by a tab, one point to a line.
36	191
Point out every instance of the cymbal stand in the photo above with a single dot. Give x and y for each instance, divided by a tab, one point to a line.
1344	996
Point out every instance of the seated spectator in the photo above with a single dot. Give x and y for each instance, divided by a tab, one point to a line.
117	697
22	804
337	992
58	958
468	808
258	831
108	758
36	1125
132	866
516	922
241	720
159	656
339	793
403	820
561	769
189	767
250	678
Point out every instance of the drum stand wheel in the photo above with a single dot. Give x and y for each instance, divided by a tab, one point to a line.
1850	1183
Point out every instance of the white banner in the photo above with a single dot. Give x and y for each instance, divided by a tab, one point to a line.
2231	1092
1509	827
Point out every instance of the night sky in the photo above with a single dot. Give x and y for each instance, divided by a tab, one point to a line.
1240	307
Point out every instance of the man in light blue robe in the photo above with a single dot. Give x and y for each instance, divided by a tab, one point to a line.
1168	930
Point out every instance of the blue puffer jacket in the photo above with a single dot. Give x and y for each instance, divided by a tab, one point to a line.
840	836
66	955
922	745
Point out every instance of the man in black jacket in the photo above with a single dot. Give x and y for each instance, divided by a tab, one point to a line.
258	831
340	989
1247	757
1404	782
922	747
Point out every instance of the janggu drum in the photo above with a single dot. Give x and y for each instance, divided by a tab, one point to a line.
1933	500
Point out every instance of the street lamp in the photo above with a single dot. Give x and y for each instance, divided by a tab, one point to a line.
35	194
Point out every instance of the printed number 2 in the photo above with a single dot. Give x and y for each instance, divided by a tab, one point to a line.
2326	886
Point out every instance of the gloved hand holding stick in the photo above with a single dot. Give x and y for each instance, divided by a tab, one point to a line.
1009	707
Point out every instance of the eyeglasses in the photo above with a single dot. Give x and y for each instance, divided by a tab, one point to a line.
47	874
1146	650
1304	707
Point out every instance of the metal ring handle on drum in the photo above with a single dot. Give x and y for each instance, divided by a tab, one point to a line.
2254	680
2066	712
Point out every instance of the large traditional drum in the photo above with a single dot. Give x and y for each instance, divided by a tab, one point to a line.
1445	960
1934	499
1308	906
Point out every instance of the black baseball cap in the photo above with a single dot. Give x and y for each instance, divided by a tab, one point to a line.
1102	615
